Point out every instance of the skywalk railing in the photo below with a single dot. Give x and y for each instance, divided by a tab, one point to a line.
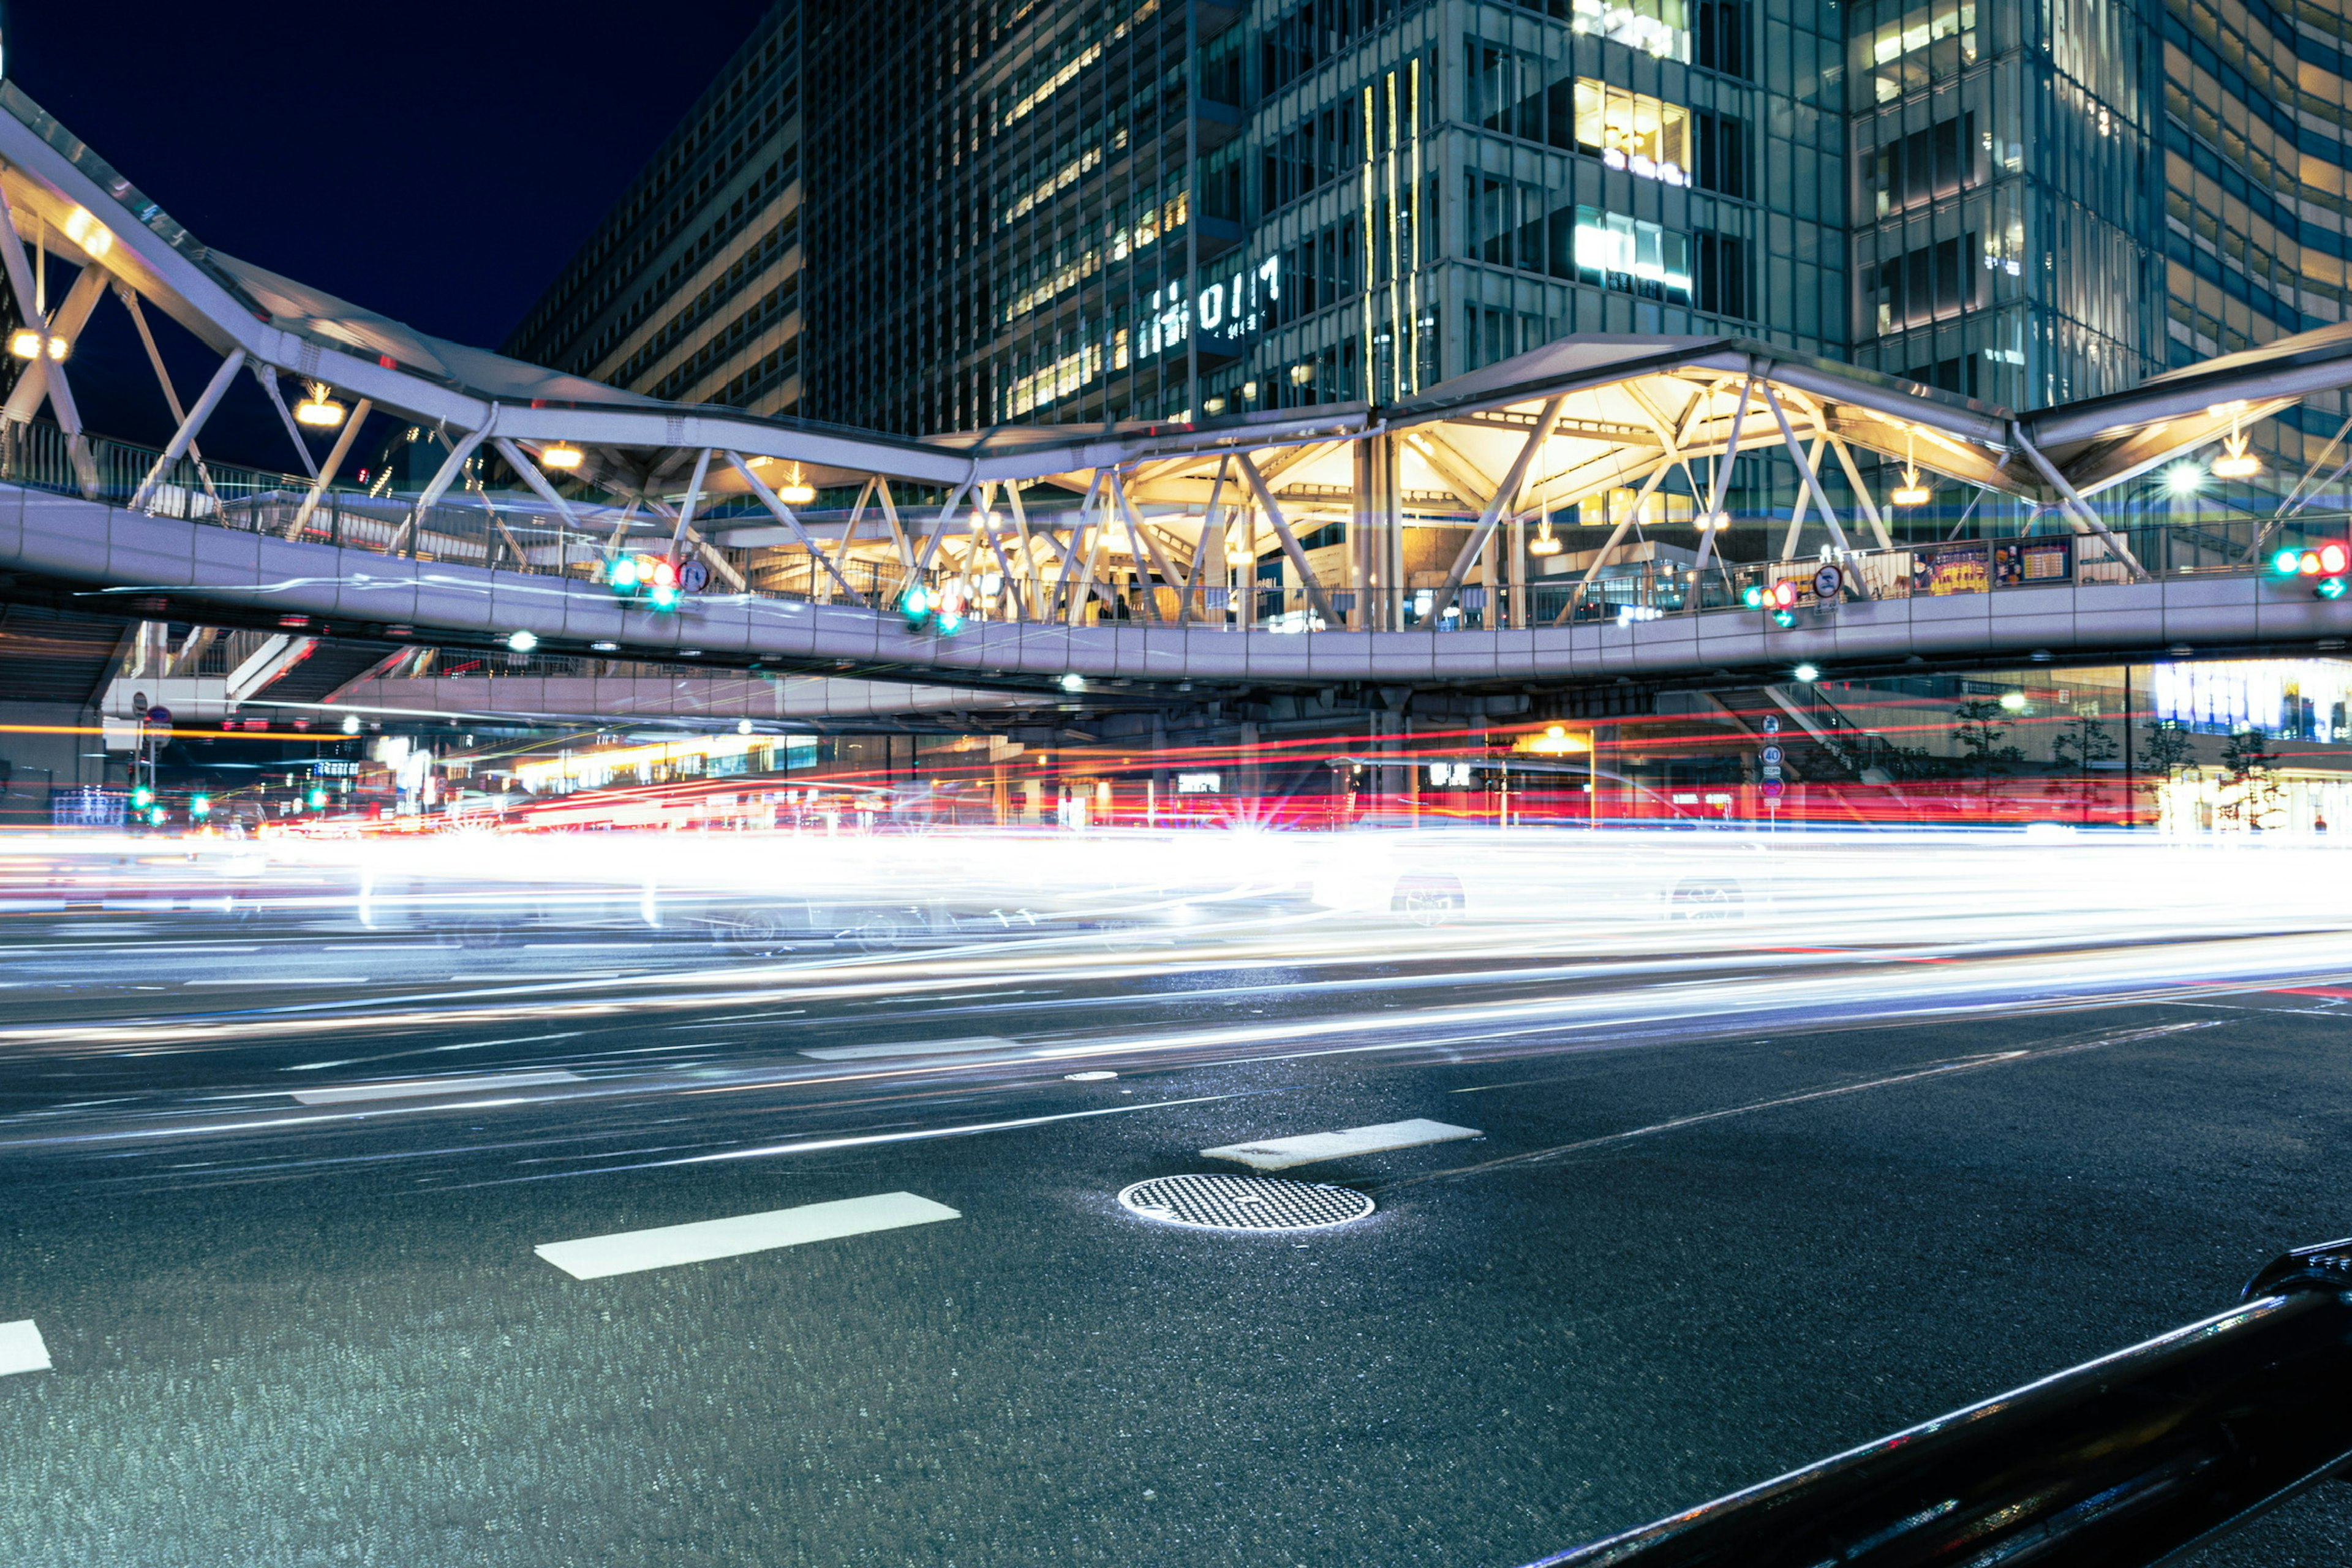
520	533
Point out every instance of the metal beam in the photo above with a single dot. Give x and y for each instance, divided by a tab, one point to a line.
130	298
267	376
185	436
1723	461
333	466
1506	495
693	494
1210	524
1862	491
1812	478
1617	535
442	477
1289	541
1804	504
2083	518
775	504
1152	546
996	547
46	374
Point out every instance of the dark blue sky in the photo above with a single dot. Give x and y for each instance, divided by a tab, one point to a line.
439	171
435	163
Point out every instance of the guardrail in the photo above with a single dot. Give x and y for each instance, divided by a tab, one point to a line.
2131	1458
517	533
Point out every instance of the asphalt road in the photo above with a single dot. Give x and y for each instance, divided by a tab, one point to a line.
1723	1217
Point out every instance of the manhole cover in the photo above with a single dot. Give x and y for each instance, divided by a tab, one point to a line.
1244	1202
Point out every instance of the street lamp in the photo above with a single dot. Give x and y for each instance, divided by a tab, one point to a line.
319	411
1807	673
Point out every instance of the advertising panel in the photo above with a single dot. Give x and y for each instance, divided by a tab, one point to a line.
2018	562
1943	569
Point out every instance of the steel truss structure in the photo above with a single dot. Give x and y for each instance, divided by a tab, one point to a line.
1366	518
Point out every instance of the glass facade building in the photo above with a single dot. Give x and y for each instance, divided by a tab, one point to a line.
691	286
1084	210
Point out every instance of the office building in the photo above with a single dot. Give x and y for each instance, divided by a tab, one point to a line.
1158	209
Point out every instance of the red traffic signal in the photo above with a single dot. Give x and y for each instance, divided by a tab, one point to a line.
1785	593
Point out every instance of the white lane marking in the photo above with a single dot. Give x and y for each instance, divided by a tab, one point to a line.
632	1251
264	981
1281	1153
914	1048
414	1088
21	1349
565	974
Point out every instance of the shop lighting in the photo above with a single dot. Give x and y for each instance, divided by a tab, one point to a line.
561	455
319	411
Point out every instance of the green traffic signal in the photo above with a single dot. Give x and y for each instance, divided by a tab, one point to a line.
317	799
142	797
200	805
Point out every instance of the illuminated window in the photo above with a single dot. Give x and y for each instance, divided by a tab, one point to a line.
1931	40
1630	131
1660	27
1619	252
1610	508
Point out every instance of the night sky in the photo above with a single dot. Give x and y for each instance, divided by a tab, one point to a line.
435	163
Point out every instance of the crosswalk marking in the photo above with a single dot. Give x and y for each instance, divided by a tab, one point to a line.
21	1348
1281	1153
417	1088
913	1048
633	1251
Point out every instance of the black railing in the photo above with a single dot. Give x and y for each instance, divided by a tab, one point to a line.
2131	1458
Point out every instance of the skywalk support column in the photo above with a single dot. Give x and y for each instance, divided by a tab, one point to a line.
1364	536
1391	532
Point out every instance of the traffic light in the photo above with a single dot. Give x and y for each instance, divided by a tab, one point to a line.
653	576
200	806
2313	561
155	816
939	611
2324	562
142	798
317	798
1754	597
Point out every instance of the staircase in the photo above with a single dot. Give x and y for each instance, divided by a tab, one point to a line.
1818	743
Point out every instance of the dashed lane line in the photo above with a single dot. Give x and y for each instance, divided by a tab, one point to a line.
969	1043
1307	1149
666	1246
419	1087
22	1348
